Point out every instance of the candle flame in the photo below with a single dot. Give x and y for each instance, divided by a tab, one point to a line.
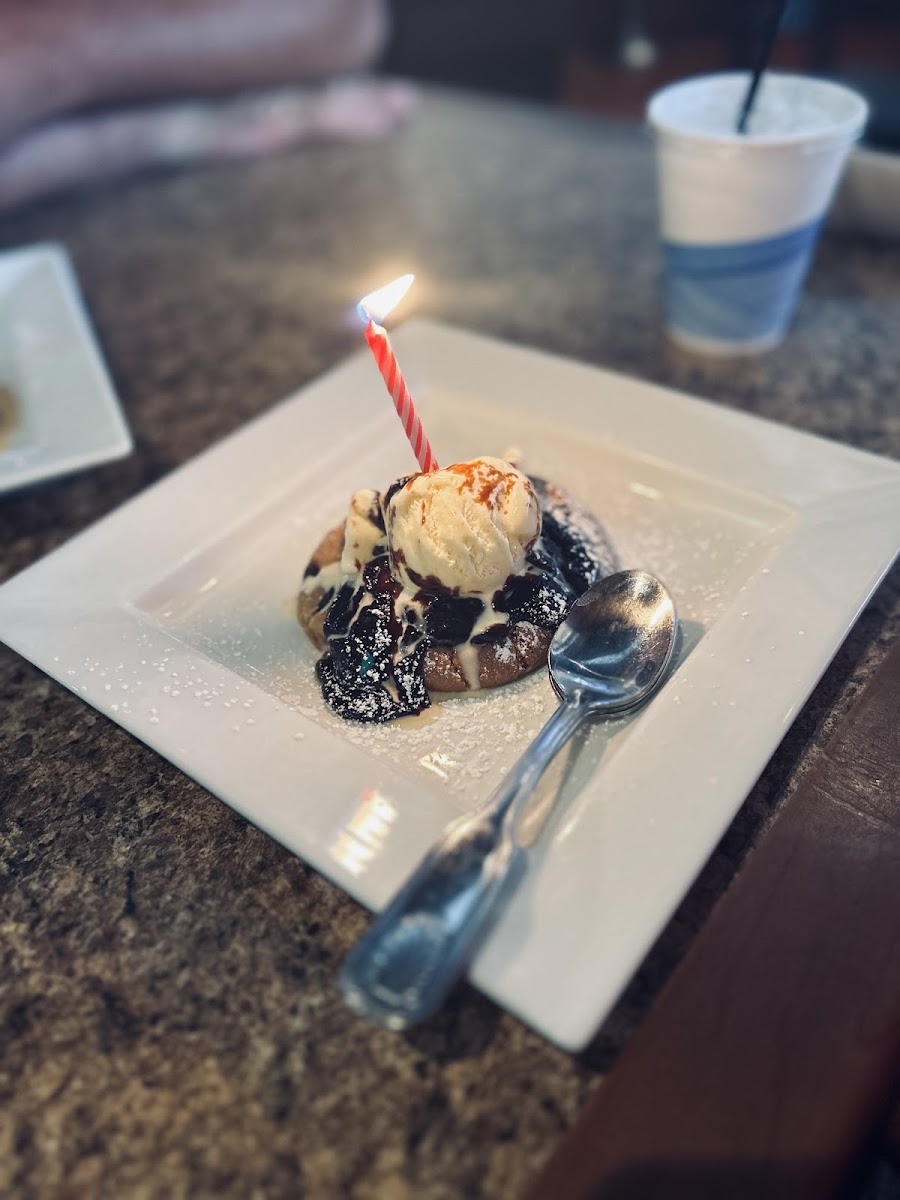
377	305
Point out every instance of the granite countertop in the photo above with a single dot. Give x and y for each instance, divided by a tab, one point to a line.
170	1023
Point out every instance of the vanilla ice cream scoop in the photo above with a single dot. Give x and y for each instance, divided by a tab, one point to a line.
467	527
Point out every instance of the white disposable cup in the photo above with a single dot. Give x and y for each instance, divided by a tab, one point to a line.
740	213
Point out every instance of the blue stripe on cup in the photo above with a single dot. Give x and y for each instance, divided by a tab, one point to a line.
740	291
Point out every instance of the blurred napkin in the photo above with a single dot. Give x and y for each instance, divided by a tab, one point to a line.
86	148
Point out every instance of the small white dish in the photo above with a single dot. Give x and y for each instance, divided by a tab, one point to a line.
174	616
64	414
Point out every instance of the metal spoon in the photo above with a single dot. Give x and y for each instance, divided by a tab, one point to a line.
608	656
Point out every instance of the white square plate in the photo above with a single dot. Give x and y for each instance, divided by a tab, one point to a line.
65	414
174	616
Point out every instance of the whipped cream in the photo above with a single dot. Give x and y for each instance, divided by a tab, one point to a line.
363	531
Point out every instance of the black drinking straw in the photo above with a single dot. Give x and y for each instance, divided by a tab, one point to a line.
762	61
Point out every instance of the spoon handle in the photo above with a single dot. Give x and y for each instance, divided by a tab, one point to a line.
402	969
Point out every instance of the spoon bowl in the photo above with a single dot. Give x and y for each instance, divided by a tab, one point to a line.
616	643
608	656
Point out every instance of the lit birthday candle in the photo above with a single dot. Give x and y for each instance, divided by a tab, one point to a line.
373	309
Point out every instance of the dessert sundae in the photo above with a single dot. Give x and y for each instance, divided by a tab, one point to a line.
451	580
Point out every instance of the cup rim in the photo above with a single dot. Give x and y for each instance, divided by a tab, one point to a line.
848	128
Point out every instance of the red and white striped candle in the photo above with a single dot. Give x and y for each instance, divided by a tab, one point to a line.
374	308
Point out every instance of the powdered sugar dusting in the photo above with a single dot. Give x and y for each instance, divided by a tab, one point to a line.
453	735
585	526
504	653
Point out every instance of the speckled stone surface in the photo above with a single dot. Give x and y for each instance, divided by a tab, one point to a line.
168	1021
